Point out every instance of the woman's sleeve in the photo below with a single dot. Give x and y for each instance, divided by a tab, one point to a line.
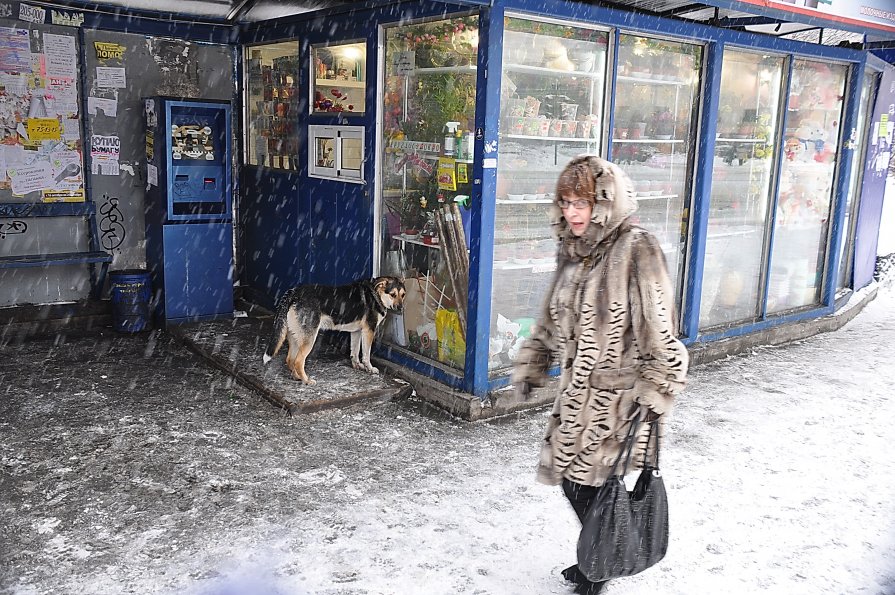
664	358
536	353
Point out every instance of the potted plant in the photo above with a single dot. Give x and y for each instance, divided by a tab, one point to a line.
663	124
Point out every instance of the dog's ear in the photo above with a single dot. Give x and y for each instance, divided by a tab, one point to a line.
380	283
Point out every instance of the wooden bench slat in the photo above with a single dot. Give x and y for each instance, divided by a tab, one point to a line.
43	260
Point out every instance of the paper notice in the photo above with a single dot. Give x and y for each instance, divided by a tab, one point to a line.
61	55
71	130
151	175
110	77
41	129
108	106
15	84
14	155
32	14
105	146
15	50
31	178
104	166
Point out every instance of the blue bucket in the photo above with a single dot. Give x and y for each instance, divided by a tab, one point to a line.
131	295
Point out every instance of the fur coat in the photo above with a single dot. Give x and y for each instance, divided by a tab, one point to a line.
609	318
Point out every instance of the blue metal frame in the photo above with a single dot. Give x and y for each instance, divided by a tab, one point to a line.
701	193
837	234
481	263
775	195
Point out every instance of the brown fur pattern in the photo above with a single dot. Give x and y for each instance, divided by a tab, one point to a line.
305	310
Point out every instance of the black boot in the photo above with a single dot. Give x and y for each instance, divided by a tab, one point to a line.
573	575
589	588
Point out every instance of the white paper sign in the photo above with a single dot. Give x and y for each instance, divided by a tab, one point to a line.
109	106
151	175
31	178
404	62
16	84
32	14
105	146
71	129
110	77
103	166
61	55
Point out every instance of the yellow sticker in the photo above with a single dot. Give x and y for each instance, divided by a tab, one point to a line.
447	173
884	125
40	129
108	51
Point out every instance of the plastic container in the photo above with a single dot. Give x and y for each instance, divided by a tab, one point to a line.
131	294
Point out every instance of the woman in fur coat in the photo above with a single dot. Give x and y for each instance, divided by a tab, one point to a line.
609	318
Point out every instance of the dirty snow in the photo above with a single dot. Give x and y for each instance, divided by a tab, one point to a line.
128	465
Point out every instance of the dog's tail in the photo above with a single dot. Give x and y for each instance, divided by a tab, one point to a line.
278	334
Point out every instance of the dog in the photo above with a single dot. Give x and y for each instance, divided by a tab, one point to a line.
358	308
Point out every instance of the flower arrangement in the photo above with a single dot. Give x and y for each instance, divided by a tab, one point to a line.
339	102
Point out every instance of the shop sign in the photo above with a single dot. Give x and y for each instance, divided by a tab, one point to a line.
415	146
108	51
32	14
447	173
874	13
41	129
67	19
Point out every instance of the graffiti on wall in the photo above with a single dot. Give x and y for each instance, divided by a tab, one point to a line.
112	232
12	228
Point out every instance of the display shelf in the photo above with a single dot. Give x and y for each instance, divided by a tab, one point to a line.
415	240
641	80
561	139
538	201
337	83
467	68
741	140
655	197
551	71
647	141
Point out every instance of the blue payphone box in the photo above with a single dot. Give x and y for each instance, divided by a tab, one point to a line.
189	225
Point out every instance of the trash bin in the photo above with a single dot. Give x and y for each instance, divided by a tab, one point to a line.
131	294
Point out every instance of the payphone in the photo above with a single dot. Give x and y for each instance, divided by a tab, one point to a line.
189	226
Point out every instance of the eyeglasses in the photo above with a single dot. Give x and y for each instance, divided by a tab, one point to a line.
579	204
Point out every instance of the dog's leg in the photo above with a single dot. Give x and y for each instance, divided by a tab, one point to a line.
298	370
355	350
367	344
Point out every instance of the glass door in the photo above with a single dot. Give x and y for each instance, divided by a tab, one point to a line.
742	175
552	93
813	113
428	112
654	137
859	153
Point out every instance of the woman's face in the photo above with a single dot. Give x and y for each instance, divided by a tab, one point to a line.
577	211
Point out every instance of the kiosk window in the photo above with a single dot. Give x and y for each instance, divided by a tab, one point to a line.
272	105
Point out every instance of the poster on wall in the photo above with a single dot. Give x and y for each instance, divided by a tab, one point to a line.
40	132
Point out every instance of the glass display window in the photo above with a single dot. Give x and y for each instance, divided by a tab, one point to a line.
859	154
339	78
336	153
654	136
428	112
813	114
552	105
743	166
271	138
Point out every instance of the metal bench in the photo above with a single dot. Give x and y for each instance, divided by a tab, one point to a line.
94	256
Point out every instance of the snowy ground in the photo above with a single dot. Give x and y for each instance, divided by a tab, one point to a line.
129	466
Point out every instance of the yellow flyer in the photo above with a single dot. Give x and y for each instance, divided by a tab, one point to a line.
41	129
447	173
